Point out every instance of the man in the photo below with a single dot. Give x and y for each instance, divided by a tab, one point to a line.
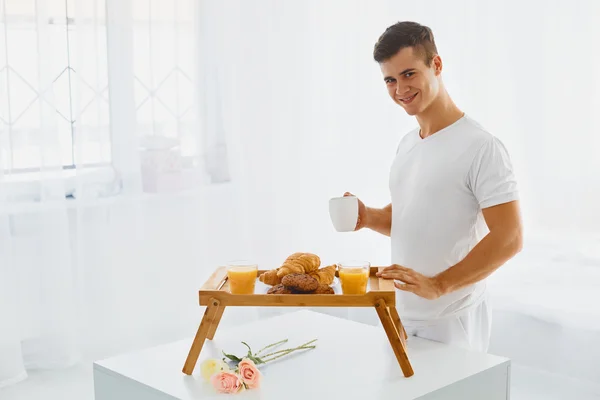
454	216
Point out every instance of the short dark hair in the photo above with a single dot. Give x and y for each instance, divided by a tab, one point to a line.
405	34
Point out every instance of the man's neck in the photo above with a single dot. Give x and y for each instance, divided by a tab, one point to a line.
440	114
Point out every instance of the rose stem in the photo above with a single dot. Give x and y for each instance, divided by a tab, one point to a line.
269	346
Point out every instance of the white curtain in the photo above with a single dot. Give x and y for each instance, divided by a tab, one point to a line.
105	160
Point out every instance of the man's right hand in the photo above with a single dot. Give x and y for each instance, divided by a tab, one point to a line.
376	219
362	220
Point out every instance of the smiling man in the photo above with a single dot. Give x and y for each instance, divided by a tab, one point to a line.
454	216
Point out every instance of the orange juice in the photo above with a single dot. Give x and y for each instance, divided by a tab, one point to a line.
242	278
354	280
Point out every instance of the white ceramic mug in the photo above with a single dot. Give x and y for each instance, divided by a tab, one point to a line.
343	212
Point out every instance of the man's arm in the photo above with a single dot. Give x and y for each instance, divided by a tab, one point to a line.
503	242
380	219
377	219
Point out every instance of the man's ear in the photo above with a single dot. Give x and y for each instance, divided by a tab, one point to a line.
436	63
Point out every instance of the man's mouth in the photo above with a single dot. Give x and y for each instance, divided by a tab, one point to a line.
408	100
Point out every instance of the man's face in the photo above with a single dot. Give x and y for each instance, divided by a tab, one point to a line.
410	82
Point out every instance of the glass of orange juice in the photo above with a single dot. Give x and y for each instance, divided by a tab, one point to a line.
354	276
242	277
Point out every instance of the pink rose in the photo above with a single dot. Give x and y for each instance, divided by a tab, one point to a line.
226	382
249	373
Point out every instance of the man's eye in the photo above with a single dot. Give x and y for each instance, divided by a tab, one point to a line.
388	81
409	74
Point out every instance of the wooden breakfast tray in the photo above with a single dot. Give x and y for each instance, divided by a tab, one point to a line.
215	295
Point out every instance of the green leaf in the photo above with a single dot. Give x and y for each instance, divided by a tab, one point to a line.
249	349
256	360
232	357
246	344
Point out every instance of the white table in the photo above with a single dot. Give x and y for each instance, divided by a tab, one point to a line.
351	361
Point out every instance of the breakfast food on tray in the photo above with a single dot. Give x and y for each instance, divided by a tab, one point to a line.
324	289
324	275
279	289
302	283
270	277
299	263
300	273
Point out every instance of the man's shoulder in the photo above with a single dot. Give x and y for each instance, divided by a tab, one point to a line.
485	148
472	129
474	137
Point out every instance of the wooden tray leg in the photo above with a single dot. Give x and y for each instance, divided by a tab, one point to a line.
394	338
215	323
201	335
396	318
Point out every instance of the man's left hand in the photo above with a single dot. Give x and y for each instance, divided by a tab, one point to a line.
412	281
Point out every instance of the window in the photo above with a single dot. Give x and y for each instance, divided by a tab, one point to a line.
54	80
43	92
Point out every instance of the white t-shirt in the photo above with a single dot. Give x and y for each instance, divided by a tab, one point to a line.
439	185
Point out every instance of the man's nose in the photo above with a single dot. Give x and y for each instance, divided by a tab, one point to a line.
401	89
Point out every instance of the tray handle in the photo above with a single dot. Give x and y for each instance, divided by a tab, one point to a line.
216	280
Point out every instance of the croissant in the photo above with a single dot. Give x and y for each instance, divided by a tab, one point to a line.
300	263
324	275
270	277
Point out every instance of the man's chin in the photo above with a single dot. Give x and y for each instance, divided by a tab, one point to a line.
411	111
